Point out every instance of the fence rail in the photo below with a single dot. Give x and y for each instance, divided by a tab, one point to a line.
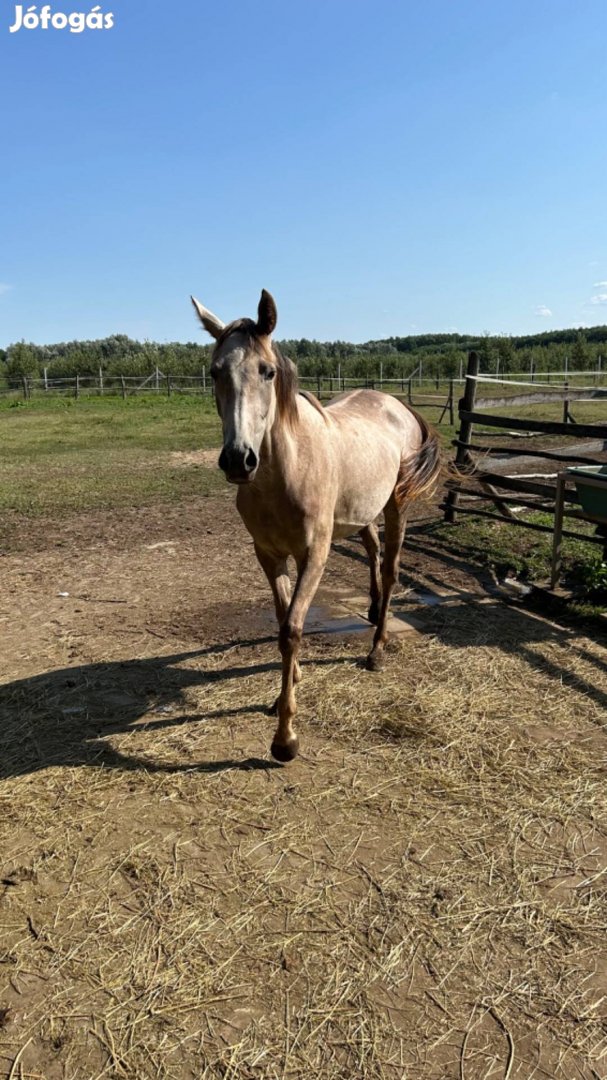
429	392
511	493
415	381
421	392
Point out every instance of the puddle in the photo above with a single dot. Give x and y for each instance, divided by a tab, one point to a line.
332	614
426	597
323	620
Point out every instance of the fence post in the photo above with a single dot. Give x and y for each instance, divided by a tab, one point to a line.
381	375
77	387
451	402
26	392
204	380
157	379
532	371
448	406
100	380
46	378
409	393
318	386
168	385
123	386
566	405
558	529
421	371
465	430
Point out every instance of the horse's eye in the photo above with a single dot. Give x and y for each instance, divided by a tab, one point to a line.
267	372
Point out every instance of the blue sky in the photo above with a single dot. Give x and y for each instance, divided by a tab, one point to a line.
382	167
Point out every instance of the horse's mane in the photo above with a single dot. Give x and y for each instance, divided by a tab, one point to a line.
287	389
315	402
287	386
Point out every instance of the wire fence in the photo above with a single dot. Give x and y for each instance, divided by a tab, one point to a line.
159	382
440	393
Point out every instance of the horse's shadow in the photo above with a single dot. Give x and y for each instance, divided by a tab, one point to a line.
65	717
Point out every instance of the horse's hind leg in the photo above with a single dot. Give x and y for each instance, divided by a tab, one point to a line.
394	532
370	539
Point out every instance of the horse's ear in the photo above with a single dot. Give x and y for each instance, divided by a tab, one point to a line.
211	323
267	315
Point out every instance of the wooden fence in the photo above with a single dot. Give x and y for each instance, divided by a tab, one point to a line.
486	471
426	393
421	390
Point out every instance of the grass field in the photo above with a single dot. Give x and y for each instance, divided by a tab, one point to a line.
64	455
60	454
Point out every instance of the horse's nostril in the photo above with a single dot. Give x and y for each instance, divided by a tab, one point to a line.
237	462
250	461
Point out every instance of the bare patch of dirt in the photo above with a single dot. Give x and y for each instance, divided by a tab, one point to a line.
205	458
420	894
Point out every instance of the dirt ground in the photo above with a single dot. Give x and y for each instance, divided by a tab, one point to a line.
420	895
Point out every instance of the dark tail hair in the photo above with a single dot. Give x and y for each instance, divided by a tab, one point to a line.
419	472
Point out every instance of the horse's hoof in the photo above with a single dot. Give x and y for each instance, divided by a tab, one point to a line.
285	753
374	663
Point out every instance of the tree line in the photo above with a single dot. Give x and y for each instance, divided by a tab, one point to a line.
440	355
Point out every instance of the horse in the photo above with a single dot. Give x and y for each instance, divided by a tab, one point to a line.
308	474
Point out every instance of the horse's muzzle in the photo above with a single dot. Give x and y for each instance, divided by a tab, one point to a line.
239	464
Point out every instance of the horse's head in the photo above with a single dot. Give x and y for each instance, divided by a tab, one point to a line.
251	381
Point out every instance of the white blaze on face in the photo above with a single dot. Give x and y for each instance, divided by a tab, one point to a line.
245	400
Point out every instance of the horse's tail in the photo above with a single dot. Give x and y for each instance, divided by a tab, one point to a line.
419	473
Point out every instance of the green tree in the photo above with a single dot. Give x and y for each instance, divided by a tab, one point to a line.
488	354
579	353
505	354
22	360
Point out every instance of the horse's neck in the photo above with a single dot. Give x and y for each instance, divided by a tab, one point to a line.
279	451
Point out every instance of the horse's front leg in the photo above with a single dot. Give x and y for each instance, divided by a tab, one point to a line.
277	572
310	570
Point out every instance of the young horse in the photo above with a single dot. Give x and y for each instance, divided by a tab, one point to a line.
308	475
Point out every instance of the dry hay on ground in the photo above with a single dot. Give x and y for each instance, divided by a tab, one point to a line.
421	895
